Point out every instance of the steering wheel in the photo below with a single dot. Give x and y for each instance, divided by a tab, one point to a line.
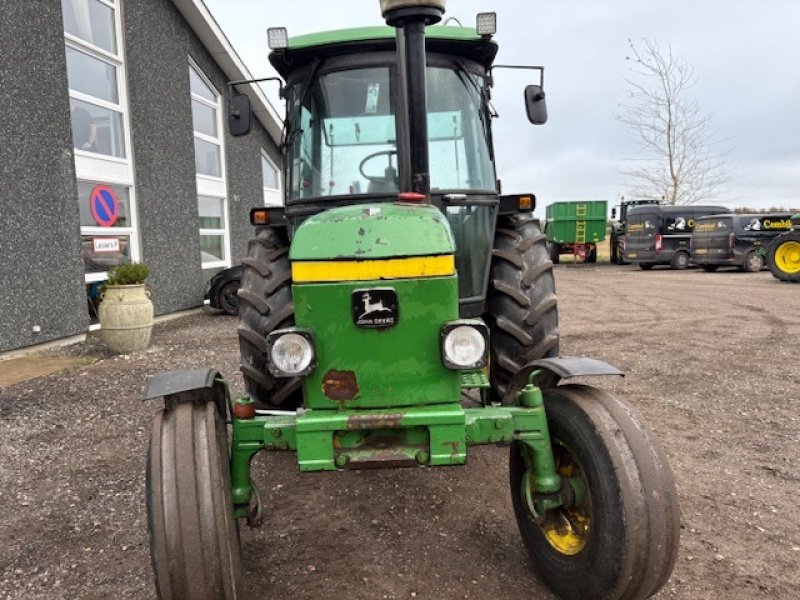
376	179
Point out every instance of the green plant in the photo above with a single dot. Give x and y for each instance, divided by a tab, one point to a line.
128	274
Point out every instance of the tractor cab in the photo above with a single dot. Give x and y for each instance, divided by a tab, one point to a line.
352	132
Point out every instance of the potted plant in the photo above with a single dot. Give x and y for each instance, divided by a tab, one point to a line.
126	312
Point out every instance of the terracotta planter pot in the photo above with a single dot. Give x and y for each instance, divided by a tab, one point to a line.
126	318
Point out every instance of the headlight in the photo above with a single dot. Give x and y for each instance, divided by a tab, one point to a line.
290	352
465	344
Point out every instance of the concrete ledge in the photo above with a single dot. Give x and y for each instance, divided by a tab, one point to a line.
81	337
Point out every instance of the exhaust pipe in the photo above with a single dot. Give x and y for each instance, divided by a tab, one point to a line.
409	18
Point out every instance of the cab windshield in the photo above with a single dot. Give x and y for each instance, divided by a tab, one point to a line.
342	134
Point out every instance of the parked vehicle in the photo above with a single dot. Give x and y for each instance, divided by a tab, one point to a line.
375	299
736	240
576	228
223	290
617	235
660	235
783	255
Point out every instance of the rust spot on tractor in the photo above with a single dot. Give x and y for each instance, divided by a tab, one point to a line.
381	421
455	446
340	385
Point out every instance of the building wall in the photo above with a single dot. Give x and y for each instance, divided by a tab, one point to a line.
158	46
41	270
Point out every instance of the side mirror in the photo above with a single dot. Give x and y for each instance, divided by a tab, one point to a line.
535	104
614	213
239	114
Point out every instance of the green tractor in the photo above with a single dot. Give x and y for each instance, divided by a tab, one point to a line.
396	280
783	255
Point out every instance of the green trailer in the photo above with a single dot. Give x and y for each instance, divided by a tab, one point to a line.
395	280
575	228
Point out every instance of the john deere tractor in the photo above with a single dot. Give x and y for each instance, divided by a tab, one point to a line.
396	281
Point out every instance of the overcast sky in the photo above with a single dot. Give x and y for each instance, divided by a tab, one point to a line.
745	55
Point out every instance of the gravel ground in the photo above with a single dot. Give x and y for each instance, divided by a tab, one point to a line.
712	366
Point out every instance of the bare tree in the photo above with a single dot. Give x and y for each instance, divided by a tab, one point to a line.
678	155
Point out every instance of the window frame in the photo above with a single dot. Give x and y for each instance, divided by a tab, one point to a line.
209	185
94	167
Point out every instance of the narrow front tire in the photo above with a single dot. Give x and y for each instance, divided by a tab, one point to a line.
194	543
620	538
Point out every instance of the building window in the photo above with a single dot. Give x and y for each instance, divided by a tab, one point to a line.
94	60
98	108
271	181
209	159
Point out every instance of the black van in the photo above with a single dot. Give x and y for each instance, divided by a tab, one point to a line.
736	240
660	235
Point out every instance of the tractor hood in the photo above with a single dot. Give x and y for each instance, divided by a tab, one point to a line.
373	232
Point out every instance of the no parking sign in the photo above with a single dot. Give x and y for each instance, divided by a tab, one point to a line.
104	205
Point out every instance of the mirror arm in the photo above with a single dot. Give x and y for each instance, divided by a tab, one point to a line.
529	67
281	90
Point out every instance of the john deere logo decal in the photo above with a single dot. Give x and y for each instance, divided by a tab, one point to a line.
375	308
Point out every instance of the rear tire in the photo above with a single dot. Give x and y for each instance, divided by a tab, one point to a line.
523	312
621	541
592	256
753	262
680	260
265	304
194	543
783	258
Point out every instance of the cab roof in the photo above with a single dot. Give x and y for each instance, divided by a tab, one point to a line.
448	39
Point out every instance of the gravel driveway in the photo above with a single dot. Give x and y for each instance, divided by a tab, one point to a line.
712	365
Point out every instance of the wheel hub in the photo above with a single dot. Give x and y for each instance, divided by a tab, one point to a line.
787	257
565	527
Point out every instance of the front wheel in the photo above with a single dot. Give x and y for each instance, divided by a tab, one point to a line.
619	538
194	544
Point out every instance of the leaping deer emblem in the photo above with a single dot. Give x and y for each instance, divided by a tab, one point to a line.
372	307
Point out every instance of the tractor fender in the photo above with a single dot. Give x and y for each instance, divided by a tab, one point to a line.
553	370
188	385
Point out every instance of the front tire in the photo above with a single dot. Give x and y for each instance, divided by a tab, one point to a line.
621	540
194	544
523	312
265	304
